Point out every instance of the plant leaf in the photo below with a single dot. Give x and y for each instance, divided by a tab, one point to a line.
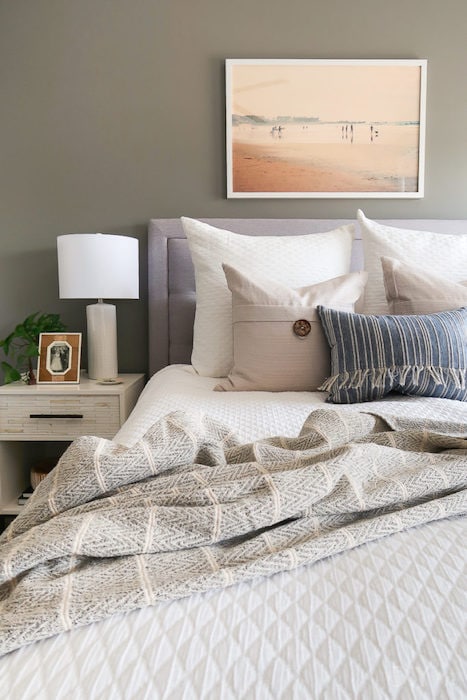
23	342
10	373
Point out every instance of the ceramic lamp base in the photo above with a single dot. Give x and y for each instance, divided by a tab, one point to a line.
102	341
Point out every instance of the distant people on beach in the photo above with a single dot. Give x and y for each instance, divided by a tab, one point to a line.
277	130
347	132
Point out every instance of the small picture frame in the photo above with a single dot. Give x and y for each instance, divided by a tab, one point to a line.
59	358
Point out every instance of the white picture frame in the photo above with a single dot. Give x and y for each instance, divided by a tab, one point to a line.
301	128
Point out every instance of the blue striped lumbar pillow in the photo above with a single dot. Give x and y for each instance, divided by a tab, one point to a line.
424	355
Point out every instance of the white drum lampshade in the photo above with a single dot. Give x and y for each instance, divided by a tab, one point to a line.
99	266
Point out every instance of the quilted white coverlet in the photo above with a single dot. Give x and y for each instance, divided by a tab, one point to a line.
381	620
253	415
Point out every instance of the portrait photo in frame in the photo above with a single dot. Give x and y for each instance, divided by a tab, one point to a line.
59	358
325	128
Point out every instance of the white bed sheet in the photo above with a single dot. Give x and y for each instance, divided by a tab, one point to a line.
257	414
384	620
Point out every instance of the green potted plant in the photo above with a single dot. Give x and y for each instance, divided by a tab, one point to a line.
22	345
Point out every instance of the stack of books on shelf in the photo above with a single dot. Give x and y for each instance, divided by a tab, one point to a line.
25	496
38	472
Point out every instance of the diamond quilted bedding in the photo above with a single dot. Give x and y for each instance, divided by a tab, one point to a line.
383	619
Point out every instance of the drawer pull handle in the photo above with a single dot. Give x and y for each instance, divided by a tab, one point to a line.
56	415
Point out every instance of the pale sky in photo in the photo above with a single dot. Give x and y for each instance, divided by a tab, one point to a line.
331	92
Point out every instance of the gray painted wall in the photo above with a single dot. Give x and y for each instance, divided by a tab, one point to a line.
112	112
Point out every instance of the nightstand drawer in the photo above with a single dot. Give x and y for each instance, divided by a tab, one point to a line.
58	417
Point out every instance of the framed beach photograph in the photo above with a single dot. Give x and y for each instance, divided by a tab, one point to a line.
59	358
325	128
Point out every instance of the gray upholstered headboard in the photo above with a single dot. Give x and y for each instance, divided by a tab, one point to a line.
171	283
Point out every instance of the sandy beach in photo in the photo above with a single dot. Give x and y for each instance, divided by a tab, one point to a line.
323	167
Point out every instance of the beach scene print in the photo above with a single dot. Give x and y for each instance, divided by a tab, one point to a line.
305	129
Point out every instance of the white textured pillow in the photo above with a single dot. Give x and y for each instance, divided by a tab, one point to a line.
443	254
294	261
279	344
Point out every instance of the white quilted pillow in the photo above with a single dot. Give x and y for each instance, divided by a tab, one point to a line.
443	254
295	261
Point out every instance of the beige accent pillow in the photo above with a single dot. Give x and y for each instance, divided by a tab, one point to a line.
291	260
412	290
442	253
272	352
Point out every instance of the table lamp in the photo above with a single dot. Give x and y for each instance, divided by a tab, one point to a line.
98	266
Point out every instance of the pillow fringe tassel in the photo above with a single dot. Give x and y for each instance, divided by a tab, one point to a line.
400	376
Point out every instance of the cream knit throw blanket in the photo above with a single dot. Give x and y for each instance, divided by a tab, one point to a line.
187	509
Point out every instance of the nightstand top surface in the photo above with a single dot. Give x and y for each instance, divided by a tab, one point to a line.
85	386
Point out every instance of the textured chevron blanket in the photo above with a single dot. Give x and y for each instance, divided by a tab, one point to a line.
188	509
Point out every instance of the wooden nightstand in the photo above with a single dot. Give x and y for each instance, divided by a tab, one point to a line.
38	422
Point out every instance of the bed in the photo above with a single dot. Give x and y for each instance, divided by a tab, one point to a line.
381	617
